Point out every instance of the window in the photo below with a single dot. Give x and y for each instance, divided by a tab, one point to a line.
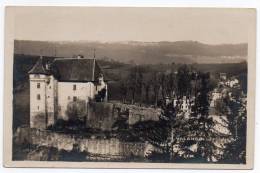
38	107
68	97
74	98
38	97
38	85
74	87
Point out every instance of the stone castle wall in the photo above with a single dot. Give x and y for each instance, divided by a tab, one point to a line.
103	115
112	146
139	113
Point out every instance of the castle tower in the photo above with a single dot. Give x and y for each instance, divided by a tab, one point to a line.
41	96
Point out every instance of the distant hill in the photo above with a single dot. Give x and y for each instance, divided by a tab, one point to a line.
139	52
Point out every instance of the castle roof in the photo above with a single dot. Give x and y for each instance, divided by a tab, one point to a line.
73	69
70	69
39	68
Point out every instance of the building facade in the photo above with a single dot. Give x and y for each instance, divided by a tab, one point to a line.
55	84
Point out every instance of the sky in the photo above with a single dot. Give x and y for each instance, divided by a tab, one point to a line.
210	26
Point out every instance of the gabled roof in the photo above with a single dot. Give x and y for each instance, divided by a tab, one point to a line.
69	69
73	69
39	68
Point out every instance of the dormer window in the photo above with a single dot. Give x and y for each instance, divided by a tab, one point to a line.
74	87
38	85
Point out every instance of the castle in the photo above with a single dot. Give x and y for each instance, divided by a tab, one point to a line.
53	85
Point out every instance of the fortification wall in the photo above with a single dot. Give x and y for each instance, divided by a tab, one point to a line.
139	113
112	146
103	115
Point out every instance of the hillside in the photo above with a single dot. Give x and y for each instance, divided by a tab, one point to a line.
139	52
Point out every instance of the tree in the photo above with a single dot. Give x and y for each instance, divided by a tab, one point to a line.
204	123
221	107
163	85
183	81
162	134
169	132
201	125
147	86
172	125
235	151
139	83
156	87
171	84
76	118
123	89
135	83
76	110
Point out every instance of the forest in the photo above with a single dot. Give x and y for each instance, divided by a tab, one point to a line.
199	129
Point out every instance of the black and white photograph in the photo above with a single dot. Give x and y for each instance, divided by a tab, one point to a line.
95	85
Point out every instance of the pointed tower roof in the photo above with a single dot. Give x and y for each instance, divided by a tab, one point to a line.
38	68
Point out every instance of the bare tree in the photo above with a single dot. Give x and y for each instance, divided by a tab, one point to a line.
171	84
156	87
183	81
135	83
123	90
147	87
